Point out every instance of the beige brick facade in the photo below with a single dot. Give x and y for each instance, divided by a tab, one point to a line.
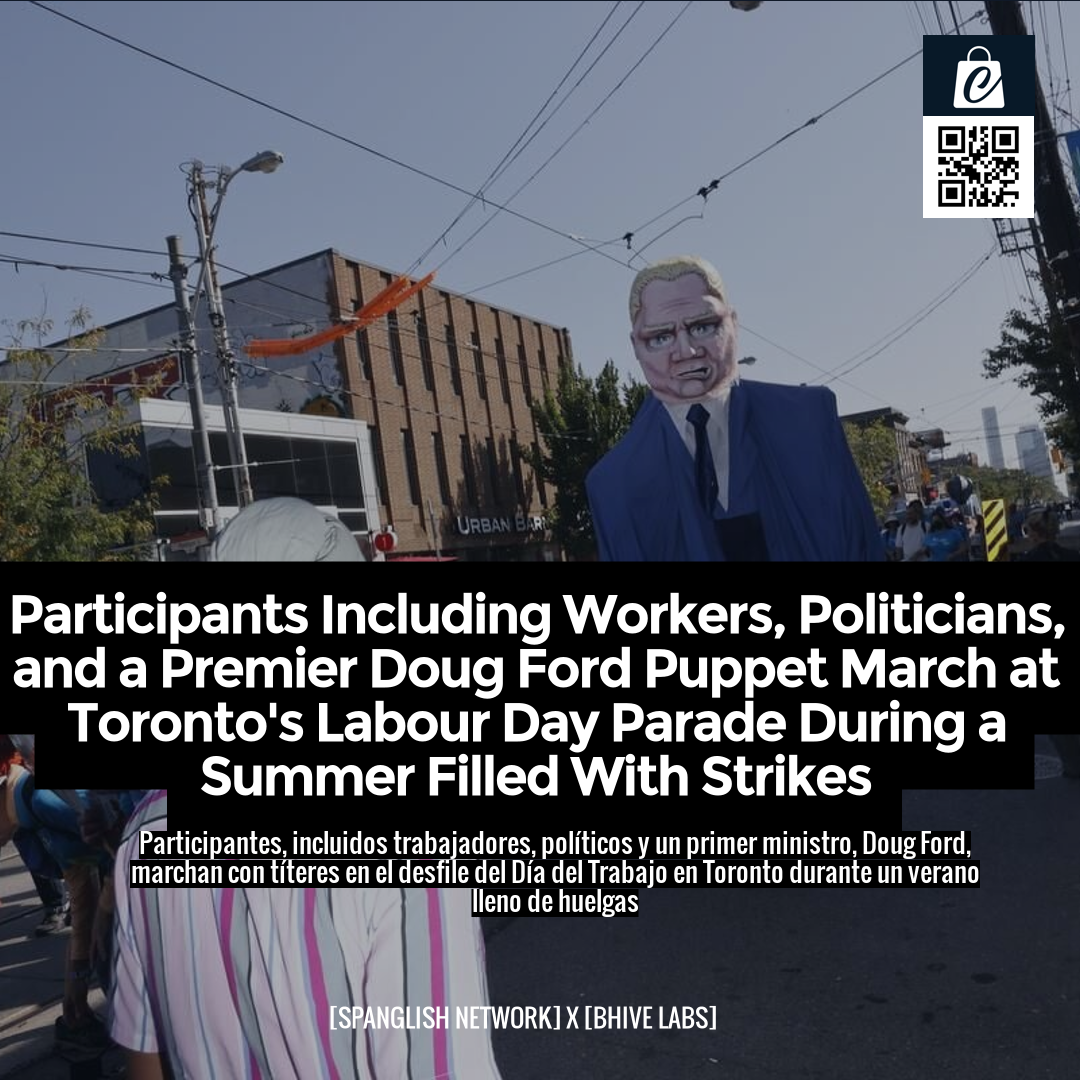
447	383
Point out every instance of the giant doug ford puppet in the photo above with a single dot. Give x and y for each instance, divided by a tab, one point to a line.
717	469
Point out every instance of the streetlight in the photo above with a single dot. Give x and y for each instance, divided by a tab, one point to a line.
206	219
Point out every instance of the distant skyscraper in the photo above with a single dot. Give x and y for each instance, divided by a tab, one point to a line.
994	450
1033	453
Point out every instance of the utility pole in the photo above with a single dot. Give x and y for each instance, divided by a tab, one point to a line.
204	223
1053	199
204	468
1058	247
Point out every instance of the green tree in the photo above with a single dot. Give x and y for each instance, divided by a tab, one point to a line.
873	446
1012	485
1038	348
48	510
579	422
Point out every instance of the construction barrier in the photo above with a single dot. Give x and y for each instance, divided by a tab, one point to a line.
996	530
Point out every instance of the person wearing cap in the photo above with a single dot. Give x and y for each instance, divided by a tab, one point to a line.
715	468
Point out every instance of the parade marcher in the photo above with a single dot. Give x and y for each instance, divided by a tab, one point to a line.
254	982
49	821
947	539
912	533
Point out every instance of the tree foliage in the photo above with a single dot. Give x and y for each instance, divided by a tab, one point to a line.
873	446
580	422
1036	348
1012	485
48	509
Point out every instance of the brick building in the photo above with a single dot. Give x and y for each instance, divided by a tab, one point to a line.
420	422
908	473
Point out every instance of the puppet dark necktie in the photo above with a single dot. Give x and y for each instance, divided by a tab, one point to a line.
704	469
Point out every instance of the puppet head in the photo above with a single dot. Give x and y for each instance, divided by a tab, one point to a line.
685	333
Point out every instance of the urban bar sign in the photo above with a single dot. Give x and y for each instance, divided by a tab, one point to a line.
486	526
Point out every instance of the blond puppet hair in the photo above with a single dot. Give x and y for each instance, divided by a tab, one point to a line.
671	270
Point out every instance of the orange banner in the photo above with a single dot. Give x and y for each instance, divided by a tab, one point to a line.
395	294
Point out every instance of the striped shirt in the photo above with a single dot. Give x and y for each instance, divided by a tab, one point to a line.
247	982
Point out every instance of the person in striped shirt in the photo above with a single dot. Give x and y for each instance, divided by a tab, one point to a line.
252	983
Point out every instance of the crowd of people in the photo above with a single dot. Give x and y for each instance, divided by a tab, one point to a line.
67	841
946	534
935	535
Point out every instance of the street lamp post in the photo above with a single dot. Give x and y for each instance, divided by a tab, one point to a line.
206	219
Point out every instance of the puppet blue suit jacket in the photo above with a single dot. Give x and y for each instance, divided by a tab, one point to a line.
786	443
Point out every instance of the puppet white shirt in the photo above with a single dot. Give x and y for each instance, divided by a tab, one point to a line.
718	430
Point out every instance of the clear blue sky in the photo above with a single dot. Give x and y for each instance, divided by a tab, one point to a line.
821	240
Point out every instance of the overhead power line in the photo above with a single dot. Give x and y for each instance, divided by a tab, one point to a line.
707	189
584	123
925	313
514	152
312	125
85	243
16	260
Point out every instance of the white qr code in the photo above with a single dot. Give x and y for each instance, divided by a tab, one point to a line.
979	166
975	167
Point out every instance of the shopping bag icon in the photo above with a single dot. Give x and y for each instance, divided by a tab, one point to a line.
978	83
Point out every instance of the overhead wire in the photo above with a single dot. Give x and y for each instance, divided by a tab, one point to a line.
404	329
312	125
506	374
1064	55
922	30
955	19
587	248
130	277
507	159
1046	53
917	316
84	243
584	123
17	260
65	349
713	184
706	190
940	20
944	298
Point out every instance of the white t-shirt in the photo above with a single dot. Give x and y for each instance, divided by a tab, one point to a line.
909	541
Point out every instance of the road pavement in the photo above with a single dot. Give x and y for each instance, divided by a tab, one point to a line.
830	983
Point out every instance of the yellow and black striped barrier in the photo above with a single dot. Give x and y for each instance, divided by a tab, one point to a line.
995	528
